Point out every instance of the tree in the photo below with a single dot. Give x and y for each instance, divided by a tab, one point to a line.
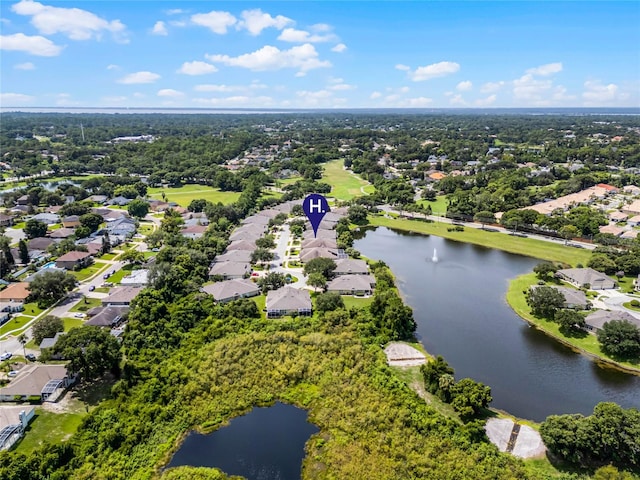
317	281
468	397
328	302
602	263
357	214
91	220
323	266
432	371
484	217
429	195
22	340
35	228
197	205
74	208
106	244
91	352
50	286
569	320
611	473
620	338
261	255
24	252
271	281
138	208
545	270
544	301
265	242
46	327
133	256
568	232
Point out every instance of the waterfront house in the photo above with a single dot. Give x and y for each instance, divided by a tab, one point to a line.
596	320
350	266
586	278
288	301
352	285
229	290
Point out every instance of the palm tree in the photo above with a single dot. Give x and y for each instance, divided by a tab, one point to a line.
23	339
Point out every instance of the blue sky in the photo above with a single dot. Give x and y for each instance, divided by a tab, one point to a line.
298	54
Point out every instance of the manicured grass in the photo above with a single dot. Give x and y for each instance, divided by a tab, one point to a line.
108	256
89	271
50	427
630	307
148	254
19	226
356	302
438	207
16	323
288	181
32	309
344	184
551	251
261	303
588	343
185	194
123	272
70	323
86	304
145	228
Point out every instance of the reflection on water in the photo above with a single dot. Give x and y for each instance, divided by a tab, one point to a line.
460	307
266	444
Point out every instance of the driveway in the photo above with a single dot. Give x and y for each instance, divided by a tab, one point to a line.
281	258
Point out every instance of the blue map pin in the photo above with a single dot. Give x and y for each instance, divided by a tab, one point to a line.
315	207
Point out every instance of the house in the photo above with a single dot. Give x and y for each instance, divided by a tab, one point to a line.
23	200
320	243
634	221
633	209
352	285
50	342
39	244
31	277
11	306
242	245
137	278
74	260
437	176
631	189
617	216
307	254
61	234
123	226
235	256
609	188
350	266
121	296
98	198
158	205
288	301
230	270
5	220
13	423
321	234
630	234
72	221
48	218
587	278
15	292
612	229
107	317
194	231
256	220
597	319
243	234
229	290
575	299
120	201
43	382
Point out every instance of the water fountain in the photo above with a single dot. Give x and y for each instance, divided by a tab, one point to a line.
434	259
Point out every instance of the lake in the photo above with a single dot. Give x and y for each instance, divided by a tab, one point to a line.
265	444
460	308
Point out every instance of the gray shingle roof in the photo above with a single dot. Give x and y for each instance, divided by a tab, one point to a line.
598	318
230	269
242	245
229	289
351	282
583	276
235	256
346	266
288	298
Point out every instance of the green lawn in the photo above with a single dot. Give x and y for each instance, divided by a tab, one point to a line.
16	323
344	184
117	277
356	302
32	309
185	194
145	228
108	256
261	302
70	323
588	343
523	246
86	304
89	271
288	181
438	207
51	427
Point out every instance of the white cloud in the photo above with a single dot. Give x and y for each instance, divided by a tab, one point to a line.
434	70
546	70
485	102
217	22
339	48
174	11
221	88
341	87
320	27
301	36
595	93
404	68
25	66
139	77
75	23
419	102
113	67
196	68
178	23
457	100
464	86
236	101
531	90
33	44
375	95
491	87
170	92
319	98
160	28
15	99
254	21
302	57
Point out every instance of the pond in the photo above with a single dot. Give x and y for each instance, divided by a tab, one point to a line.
460	308
266	444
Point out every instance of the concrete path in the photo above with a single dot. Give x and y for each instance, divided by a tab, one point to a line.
520	440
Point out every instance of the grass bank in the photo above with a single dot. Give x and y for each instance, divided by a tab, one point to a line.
530	247
345	185
587	344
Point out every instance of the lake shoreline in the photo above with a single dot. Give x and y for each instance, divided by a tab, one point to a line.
512	291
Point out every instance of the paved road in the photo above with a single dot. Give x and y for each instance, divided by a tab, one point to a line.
281	257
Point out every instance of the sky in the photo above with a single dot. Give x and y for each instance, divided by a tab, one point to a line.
295	54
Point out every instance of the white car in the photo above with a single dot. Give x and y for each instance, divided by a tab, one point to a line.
12	373
6	356
79	315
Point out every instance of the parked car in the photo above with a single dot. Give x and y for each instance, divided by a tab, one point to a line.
13	373
92	288
79	315
6	356
105	276
31	357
